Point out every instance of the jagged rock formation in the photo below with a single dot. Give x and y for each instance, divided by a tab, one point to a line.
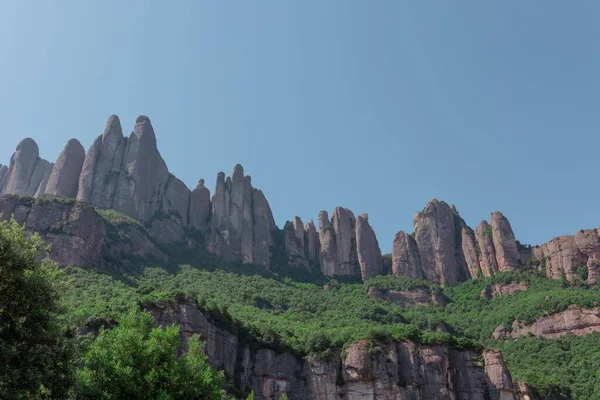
487	263
295	244
79	234
575	320
405	257
64	178
398	370
241	220
129	175
507	254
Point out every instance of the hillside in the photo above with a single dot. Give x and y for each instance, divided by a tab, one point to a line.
310	311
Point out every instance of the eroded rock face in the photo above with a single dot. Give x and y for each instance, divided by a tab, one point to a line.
367	247
575	320
102	166
499	380
3	170
470	252
313	243
344	226
26	170
405	257
294	243
241	220
403	370
78	234
560	256
487	262
328	245
436	238
64	178
507	254
407	298
200	207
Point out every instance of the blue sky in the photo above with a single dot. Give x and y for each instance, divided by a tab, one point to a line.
375	106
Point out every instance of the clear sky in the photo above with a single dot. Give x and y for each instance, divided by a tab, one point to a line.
377	106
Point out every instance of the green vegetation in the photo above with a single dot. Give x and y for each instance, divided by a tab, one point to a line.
34	352
135	361
42	358
267	309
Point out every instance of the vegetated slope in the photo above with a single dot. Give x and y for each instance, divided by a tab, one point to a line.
282	312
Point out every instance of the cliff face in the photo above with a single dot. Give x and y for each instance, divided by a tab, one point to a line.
403	370
79	234
575	321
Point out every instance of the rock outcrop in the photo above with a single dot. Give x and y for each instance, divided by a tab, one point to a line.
200	208
397	370
241	220
313	244
367	248
575	320
507	254
405	257
487	262
79	235
500	289
436	236
408	298
26	170
498	378
64	178
295	244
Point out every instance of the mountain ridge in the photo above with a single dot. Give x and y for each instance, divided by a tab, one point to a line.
129	175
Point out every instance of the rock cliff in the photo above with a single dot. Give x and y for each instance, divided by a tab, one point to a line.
399	370
128	175
575	320
82	235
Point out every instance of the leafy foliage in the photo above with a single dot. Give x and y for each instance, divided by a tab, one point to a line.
34	351
135	361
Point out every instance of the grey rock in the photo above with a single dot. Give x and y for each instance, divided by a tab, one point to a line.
64	178
507	253
22	166
405	257
102	166
367	248
487	263
313	243
200	207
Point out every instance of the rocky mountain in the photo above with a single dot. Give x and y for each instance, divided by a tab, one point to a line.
128	175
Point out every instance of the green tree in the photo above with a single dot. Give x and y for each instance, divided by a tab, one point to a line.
135	361
35	353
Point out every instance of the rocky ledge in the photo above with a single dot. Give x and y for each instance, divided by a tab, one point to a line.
575	320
